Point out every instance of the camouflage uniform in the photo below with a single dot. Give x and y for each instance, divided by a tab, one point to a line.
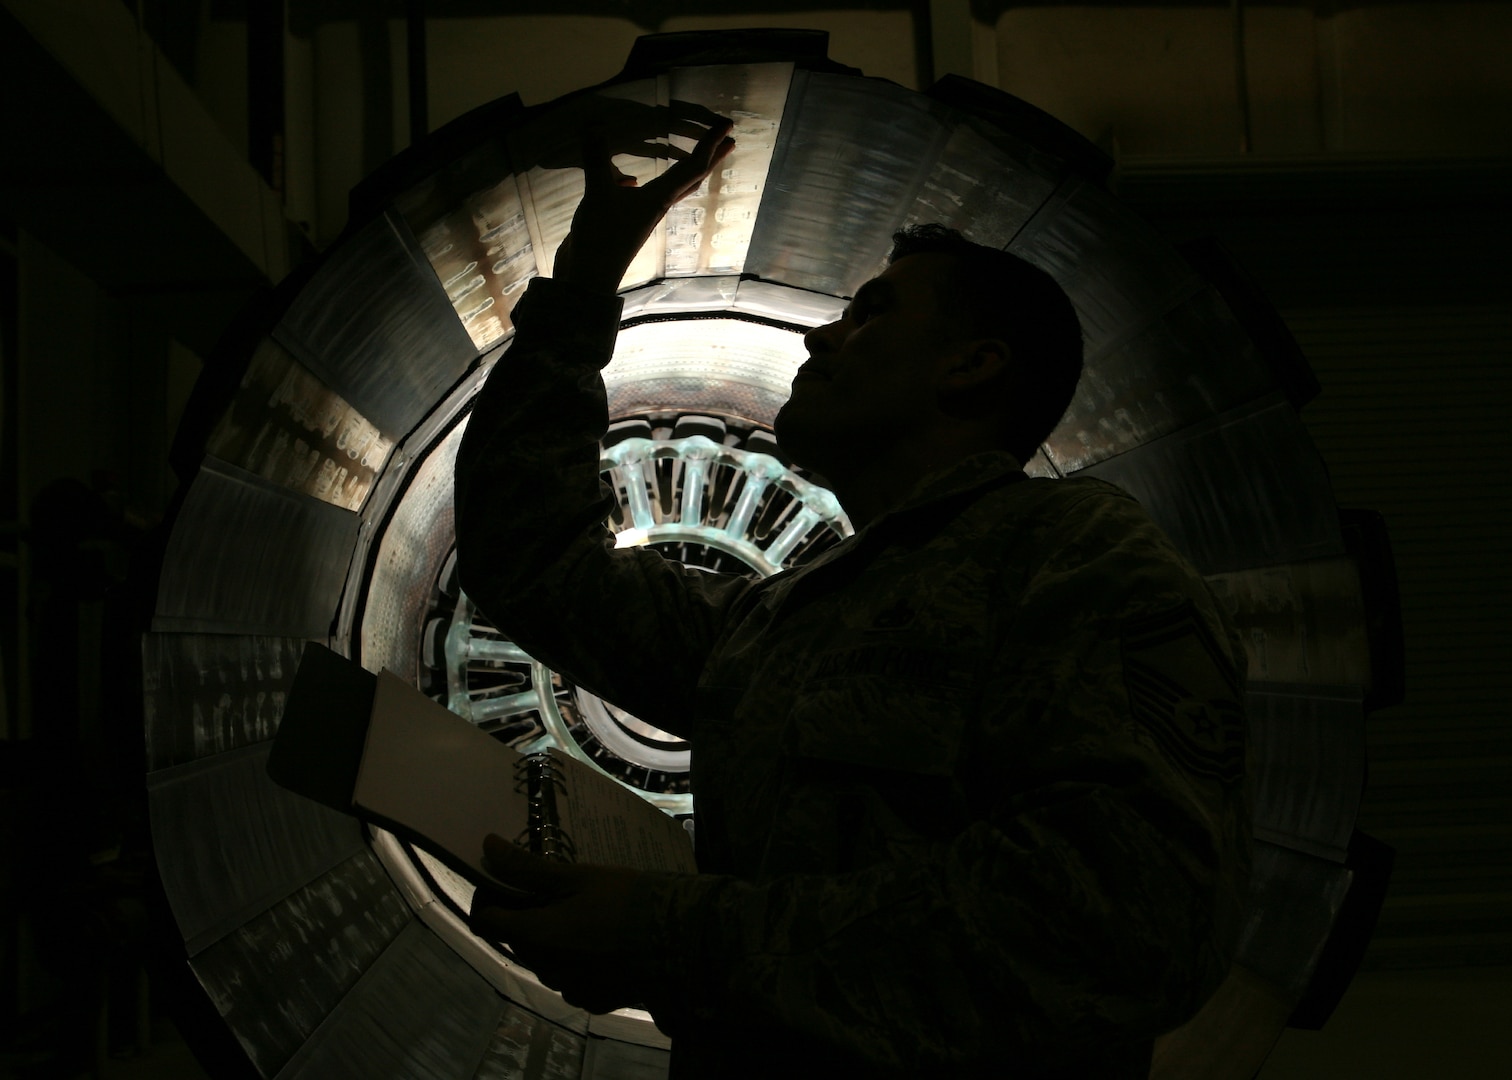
969	786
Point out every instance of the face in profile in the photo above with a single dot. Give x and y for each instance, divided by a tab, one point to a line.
872	375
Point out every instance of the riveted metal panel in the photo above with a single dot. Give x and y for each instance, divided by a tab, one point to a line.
610	1060
470	224
985	184
1164	372
288	427
1117	270
1300	622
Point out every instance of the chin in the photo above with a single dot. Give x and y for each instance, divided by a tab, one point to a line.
811	440
791	437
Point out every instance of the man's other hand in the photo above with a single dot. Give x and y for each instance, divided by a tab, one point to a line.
616	215
571	925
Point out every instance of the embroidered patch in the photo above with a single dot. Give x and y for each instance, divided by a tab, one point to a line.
1185	693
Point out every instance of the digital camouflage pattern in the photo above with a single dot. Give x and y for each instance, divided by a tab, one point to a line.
969	787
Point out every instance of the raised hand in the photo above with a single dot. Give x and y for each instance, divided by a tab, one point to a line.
617	215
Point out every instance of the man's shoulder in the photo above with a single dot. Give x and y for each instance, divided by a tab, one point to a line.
1099	528
1072	503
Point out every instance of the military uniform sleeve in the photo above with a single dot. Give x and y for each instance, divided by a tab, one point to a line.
532	548
1095	893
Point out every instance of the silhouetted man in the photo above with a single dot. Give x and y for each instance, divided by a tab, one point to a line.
968	785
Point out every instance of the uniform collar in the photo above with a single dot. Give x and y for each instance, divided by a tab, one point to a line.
956	479
957	482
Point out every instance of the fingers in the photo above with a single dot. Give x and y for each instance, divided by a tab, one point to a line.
688	173
660	150
512	865
598	161
493	923
683	119
700	116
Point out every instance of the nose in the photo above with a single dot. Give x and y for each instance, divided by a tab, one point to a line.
823	339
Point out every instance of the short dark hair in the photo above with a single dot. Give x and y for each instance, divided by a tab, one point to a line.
1000	295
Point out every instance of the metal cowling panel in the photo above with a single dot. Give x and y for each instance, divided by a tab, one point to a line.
1241	490
1176	368
1307	765
1117	270
1294	899
851	158
418	1012
231	843
204	694
250	557
375	325
277	977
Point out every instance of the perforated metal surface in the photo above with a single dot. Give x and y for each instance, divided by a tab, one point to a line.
418	537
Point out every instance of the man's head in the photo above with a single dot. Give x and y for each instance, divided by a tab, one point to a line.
964	339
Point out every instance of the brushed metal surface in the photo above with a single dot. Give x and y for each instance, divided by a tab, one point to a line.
709	232
249	557
850	160
735	369
1243	489
773	300
1300	622
375	325
610	1060
288	427
203	694
544	149
676	296
418	1012
1118	271
984	183
529	1047
1167	370
1294	898
470	223
513	982
276	977
230	843
1306	765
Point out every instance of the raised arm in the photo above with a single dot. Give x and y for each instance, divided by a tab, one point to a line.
532	549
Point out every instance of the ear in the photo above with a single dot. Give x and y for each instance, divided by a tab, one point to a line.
975	365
